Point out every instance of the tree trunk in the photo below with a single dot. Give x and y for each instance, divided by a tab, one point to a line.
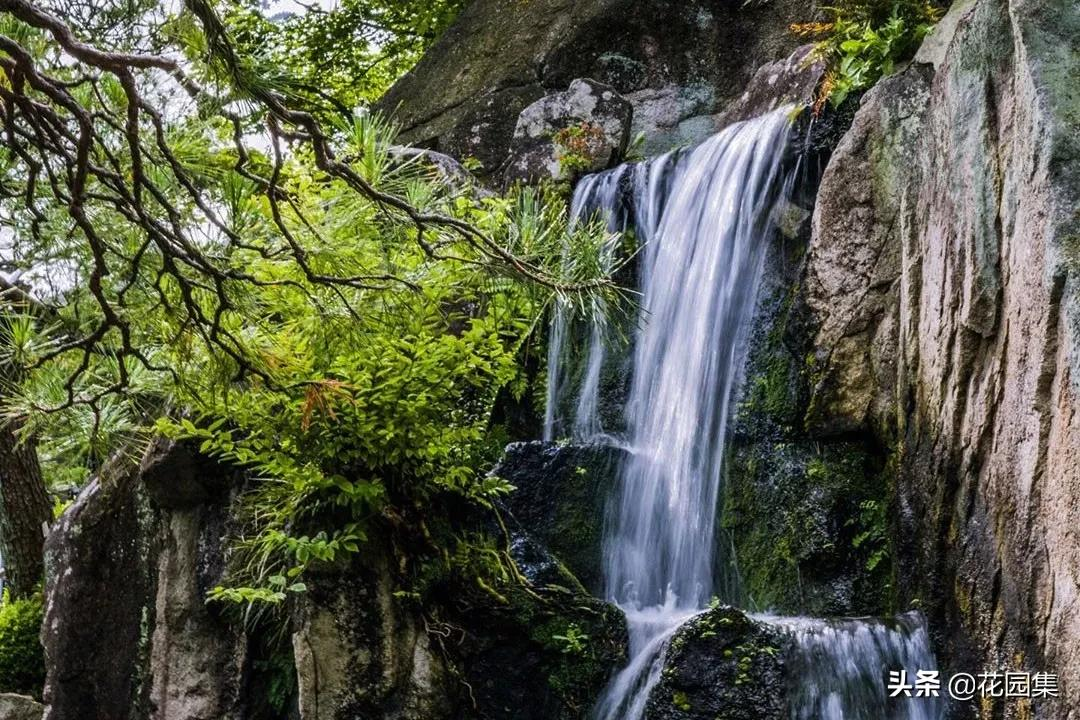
24	509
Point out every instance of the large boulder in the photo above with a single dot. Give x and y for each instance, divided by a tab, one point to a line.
580	130
97	591
127	632
942	275
722	664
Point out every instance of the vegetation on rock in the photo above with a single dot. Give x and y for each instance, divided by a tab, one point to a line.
864	40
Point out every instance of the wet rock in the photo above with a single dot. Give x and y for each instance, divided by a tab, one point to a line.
722	664
809	526
727	665
566	134
805	516
560	500
554	648
790	81
538	564
19	707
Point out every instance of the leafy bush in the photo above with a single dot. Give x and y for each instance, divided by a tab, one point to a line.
22	661
864	41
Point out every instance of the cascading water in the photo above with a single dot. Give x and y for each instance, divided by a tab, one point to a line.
630	197
598	193
703	218
838	667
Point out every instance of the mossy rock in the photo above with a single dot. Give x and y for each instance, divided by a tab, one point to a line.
555	649
808	524
722	665
805	514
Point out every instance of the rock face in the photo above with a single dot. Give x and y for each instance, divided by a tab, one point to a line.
942	274
674	115
129	635
560	500
686	59
361	653
581	130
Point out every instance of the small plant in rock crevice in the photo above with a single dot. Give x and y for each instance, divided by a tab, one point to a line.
573	641
577	145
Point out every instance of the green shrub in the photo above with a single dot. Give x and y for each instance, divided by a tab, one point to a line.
864	40
22	661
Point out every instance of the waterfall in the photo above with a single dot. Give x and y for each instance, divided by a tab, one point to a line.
630	197
702	219
699	278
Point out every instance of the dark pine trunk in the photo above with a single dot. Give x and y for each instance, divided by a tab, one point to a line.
24	509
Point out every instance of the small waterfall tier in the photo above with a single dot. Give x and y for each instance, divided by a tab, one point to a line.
838	669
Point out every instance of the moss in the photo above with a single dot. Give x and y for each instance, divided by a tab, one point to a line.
722	664
776	384
808	527
22	660
575	674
